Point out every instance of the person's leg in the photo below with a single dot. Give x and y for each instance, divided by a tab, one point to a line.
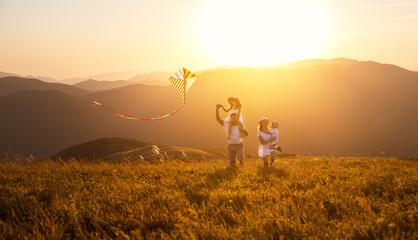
232	155
272	158
266	161
240	154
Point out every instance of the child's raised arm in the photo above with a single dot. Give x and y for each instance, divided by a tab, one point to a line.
226	110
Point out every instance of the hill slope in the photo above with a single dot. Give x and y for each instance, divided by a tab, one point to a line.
6	74
44	122
123	148
154	78
100	148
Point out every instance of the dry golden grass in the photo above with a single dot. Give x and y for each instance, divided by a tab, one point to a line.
301	198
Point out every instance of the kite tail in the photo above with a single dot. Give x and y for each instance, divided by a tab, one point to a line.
97	104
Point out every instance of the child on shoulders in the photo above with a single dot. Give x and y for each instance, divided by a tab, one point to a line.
234	107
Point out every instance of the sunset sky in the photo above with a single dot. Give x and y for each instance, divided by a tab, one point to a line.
64	39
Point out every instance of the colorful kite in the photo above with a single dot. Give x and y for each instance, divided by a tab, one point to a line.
181	80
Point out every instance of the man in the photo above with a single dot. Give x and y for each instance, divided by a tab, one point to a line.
235	147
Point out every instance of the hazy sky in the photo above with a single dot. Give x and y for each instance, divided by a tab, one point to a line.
71	38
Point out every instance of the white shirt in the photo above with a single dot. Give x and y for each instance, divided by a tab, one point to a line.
234	110
274	133
235	136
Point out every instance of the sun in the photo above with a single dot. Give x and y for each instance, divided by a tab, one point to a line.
249	33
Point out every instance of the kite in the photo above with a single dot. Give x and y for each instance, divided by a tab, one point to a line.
182	80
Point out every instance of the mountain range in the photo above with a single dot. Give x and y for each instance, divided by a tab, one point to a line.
339	107
45	79
95	85
112	76
153	78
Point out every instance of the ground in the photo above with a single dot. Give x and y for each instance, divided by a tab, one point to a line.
301	197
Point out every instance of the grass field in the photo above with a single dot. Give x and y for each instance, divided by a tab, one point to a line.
301	198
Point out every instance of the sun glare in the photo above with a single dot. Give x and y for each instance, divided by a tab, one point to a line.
260	32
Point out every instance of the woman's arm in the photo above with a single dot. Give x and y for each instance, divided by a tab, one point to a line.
262	141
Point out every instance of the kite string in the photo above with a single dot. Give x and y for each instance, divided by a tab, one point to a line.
97	104
180	82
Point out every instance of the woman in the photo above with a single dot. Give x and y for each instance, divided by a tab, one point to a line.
265	137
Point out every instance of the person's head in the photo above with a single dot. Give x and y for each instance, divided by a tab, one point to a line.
274	124
234	102
233	118
264	122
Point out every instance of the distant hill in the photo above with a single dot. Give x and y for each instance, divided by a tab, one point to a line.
95	85
162	152
44	79
358	109
155	77
156	82
100	148
122	148
103	77
115	75
9	85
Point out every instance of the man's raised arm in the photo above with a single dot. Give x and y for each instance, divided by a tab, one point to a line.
218	118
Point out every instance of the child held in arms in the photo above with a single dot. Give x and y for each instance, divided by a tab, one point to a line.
275	133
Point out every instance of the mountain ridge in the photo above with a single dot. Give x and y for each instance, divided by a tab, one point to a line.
9	85
97	85
354	110
114	76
